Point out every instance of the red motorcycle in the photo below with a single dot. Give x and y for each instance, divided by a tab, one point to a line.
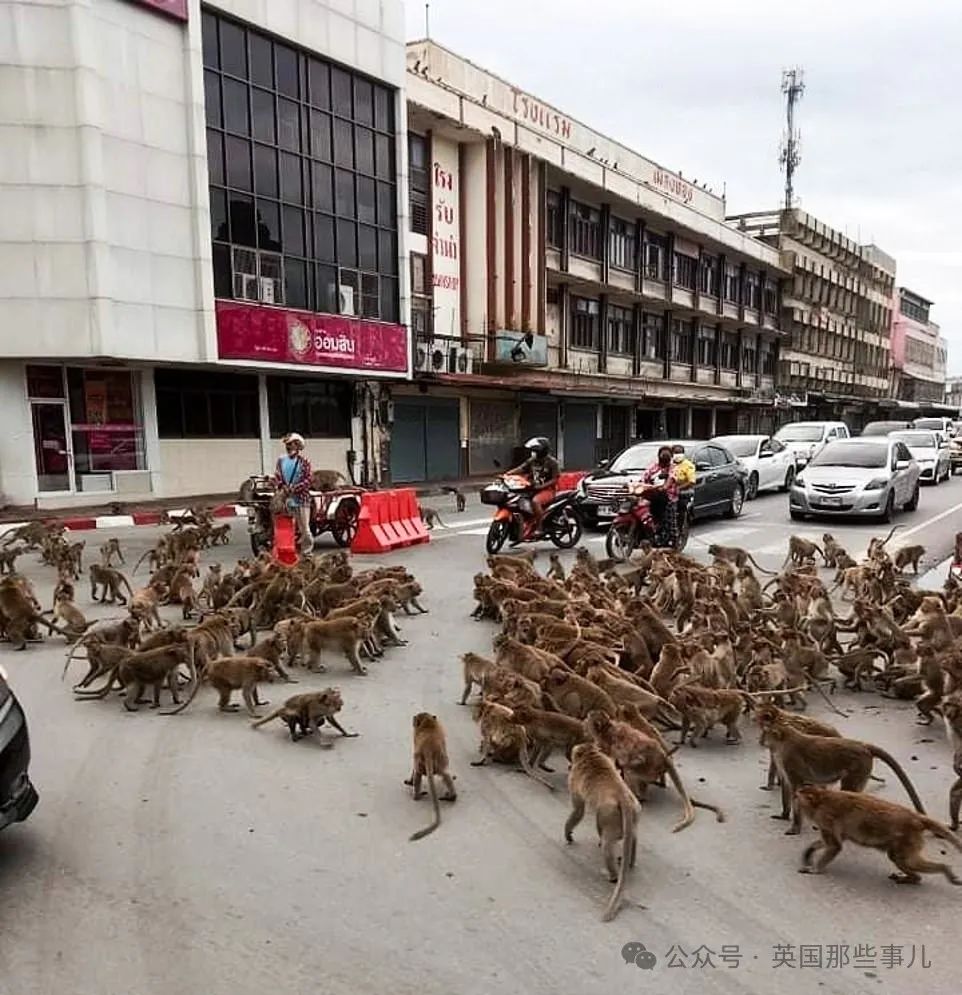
511	496
635	524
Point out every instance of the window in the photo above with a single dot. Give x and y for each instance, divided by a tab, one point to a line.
554	229
584	323
585	235
318	409
913	309
771	297
767	360
708	275
681	340
619	329
621	244
421	301
685	269
656	256
706	346
729	350
418	191
748	355
731	283
652	335
279	120
753	290
206	405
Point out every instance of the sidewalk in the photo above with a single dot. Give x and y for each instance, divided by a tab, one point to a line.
932	580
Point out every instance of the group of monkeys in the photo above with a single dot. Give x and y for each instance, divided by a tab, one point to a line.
602	664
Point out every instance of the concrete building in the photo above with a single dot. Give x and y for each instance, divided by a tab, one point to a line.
953	394
564	285
202	241
836	316
918	351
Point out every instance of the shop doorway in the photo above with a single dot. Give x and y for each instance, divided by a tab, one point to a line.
51	445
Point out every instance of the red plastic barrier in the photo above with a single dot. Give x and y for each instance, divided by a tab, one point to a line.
285	544
569	481
388	520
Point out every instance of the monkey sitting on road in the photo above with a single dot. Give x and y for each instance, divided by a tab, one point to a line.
459	498
831	550
430	760
306	713
872	822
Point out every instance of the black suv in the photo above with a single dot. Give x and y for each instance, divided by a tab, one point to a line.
18	797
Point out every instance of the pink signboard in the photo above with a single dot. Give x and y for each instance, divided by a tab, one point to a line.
175	8
277	335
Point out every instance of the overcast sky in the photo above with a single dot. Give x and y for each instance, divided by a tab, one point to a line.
696	86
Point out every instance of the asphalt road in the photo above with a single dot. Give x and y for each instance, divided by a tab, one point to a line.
193	854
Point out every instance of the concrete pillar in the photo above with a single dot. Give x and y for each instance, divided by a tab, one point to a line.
263	418
152	457
713	425
689	417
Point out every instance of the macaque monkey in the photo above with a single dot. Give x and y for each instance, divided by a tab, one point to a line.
701	708
109	550
802	551
594	782
556	571
345	634
459	499
476	669
831	550
575	695
74	623
872	822
110	581
219	535
20	611
306	713
952	715
430	760
737	556
227	674
909	556
8	559
430	517
327	480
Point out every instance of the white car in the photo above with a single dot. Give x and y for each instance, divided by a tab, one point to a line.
769	463
931	454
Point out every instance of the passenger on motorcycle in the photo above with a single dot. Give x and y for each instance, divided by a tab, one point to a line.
543	470
662	476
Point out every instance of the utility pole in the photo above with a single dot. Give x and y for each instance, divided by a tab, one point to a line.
793	86
427	20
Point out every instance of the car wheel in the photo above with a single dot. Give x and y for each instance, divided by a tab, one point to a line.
913	502
886	515
796	516
789	479
752	487
936	479
737	502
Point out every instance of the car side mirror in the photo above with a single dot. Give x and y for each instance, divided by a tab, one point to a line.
766	455
604	464
702	467
902	464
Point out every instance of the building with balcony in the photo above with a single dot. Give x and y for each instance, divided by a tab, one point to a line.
836	316
918	352
203	216
564	285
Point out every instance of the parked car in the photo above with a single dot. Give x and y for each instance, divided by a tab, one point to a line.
721	482
805	438
885	427
858	478
769	463
946	426
955	453
18	797
930	451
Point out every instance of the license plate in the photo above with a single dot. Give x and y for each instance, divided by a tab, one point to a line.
832	502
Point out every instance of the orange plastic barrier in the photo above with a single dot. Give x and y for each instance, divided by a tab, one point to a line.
285	544
570	480
388	520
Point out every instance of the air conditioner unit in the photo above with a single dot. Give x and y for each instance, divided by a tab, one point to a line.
245	286
346	300
460	359
267	290
422	357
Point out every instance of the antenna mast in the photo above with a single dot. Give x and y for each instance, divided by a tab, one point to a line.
793	86
427	20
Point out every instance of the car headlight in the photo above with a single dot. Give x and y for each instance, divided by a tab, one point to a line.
799	481
877	484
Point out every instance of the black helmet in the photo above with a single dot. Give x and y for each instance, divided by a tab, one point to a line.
538	445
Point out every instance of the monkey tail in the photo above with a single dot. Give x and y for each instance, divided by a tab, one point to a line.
889	536
688	816
719	814
942	832
264	719
528	769
126	583
195	685
433	791
628	808
771	573
820	553
888	759
141	560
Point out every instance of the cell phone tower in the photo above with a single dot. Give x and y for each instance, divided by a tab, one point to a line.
793	86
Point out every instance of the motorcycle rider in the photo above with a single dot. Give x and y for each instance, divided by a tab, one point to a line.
663	503
543	470
292	475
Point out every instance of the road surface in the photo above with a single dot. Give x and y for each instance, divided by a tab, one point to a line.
173	855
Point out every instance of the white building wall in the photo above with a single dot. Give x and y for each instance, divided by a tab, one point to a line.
18	471
474	244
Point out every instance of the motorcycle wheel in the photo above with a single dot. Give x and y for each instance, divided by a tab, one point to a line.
344	526
618	542
564	528
684	528
497	536
259	543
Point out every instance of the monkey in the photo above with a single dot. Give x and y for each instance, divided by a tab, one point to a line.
407	595
832	550
669	667
306	713
547	731
109	550
843	562
8	558
803	759
801	550
952	716
459	499
430	760
20	612
271	649
556	571
219	534
65	588
701	708
75	625
877	546
122	633
736	556
430	517
227	674
855	664
181	591
529	661
155	557
502	739
872	822
933	679
594	782
576	696
476	670
110	581
909	556
345	634
623	692
327	480
765	713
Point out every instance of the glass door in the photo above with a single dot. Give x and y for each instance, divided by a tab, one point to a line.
51	445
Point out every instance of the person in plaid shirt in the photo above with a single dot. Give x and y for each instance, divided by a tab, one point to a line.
664	503
292	477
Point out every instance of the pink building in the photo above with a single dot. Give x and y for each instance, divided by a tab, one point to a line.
918	351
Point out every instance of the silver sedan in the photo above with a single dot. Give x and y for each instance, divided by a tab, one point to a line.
868	477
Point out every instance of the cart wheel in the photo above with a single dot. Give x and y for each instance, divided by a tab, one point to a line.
344	526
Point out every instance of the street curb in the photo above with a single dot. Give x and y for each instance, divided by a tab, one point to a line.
90	523
933	579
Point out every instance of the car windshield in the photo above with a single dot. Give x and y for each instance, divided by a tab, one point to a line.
637	458
882	427
852	454
916	440
933	424
799	433
739	446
